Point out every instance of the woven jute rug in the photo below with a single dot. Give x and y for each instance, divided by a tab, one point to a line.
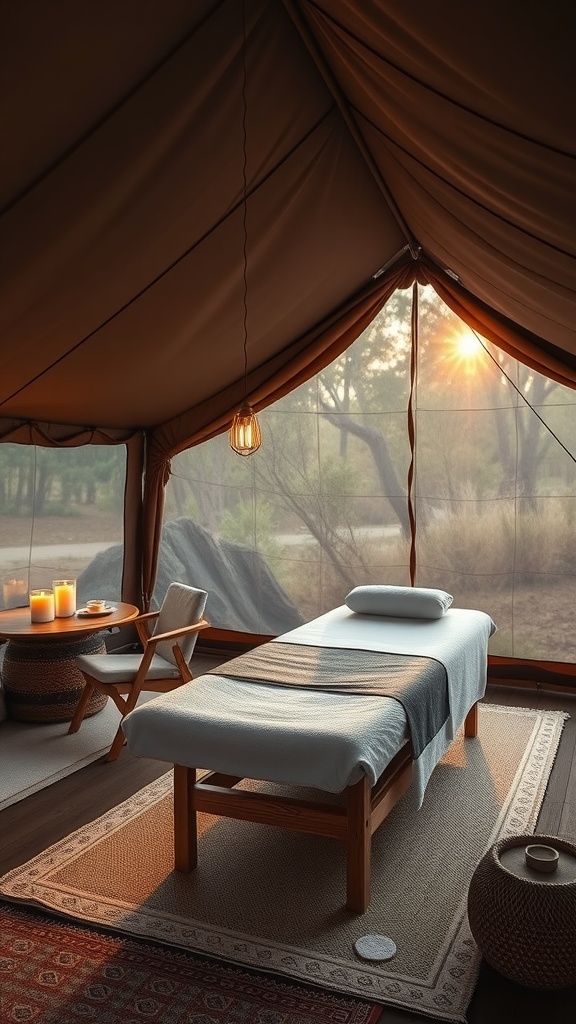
267	898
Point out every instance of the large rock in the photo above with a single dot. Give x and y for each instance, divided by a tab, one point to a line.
242	592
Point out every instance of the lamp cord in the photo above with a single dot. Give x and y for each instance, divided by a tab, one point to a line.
244	202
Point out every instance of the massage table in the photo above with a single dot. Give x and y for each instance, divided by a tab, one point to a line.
219	730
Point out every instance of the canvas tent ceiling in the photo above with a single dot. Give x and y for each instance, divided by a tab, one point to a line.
437	138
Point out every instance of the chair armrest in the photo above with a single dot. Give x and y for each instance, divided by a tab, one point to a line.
173	634
142	624
147	615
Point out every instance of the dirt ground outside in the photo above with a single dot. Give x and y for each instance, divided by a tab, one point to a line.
62	546
88	525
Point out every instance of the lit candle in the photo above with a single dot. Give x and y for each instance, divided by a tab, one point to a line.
64	598
14	593
41	605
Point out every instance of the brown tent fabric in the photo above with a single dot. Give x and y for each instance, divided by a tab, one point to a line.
385	141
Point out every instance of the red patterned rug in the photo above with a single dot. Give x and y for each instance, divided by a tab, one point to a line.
52	973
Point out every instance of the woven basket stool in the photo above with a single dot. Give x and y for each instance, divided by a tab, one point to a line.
523	916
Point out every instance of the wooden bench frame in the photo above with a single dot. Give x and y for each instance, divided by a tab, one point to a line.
354	823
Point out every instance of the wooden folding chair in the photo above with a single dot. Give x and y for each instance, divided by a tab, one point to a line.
162	666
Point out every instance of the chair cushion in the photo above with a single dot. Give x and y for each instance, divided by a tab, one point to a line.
182	606
122	668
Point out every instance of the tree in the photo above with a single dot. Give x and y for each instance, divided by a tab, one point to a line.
48	481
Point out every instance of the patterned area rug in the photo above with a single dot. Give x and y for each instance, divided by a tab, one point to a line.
54	972
267	898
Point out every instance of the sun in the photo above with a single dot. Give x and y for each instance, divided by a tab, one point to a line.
468	346
465	350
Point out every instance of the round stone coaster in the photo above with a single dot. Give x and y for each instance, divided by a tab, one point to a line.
375	947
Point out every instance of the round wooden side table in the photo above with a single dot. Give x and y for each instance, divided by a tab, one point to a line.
39	678
522	910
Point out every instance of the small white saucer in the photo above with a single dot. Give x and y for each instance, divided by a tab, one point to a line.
85	613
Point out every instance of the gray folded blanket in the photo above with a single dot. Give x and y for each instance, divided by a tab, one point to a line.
419	683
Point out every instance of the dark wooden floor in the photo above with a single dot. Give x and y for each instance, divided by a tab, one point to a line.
42	819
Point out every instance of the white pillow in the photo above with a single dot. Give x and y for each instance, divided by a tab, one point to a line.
402	602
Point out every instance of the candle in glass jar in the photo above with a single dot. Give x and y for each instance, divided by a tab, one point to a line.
64	598
15	593
41	605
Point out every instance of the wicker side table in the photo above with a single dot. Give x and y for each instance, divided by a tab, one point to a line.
41	681
523	916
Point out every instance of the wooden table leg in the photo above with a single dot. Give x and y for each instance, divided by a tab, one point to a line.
185	825
358	846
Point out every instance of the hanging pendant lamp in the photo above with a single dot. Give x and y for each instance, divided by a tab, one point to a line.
245	437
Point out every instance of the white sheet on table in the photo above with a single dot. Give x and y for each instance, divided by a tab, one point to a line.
305	737
459	640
